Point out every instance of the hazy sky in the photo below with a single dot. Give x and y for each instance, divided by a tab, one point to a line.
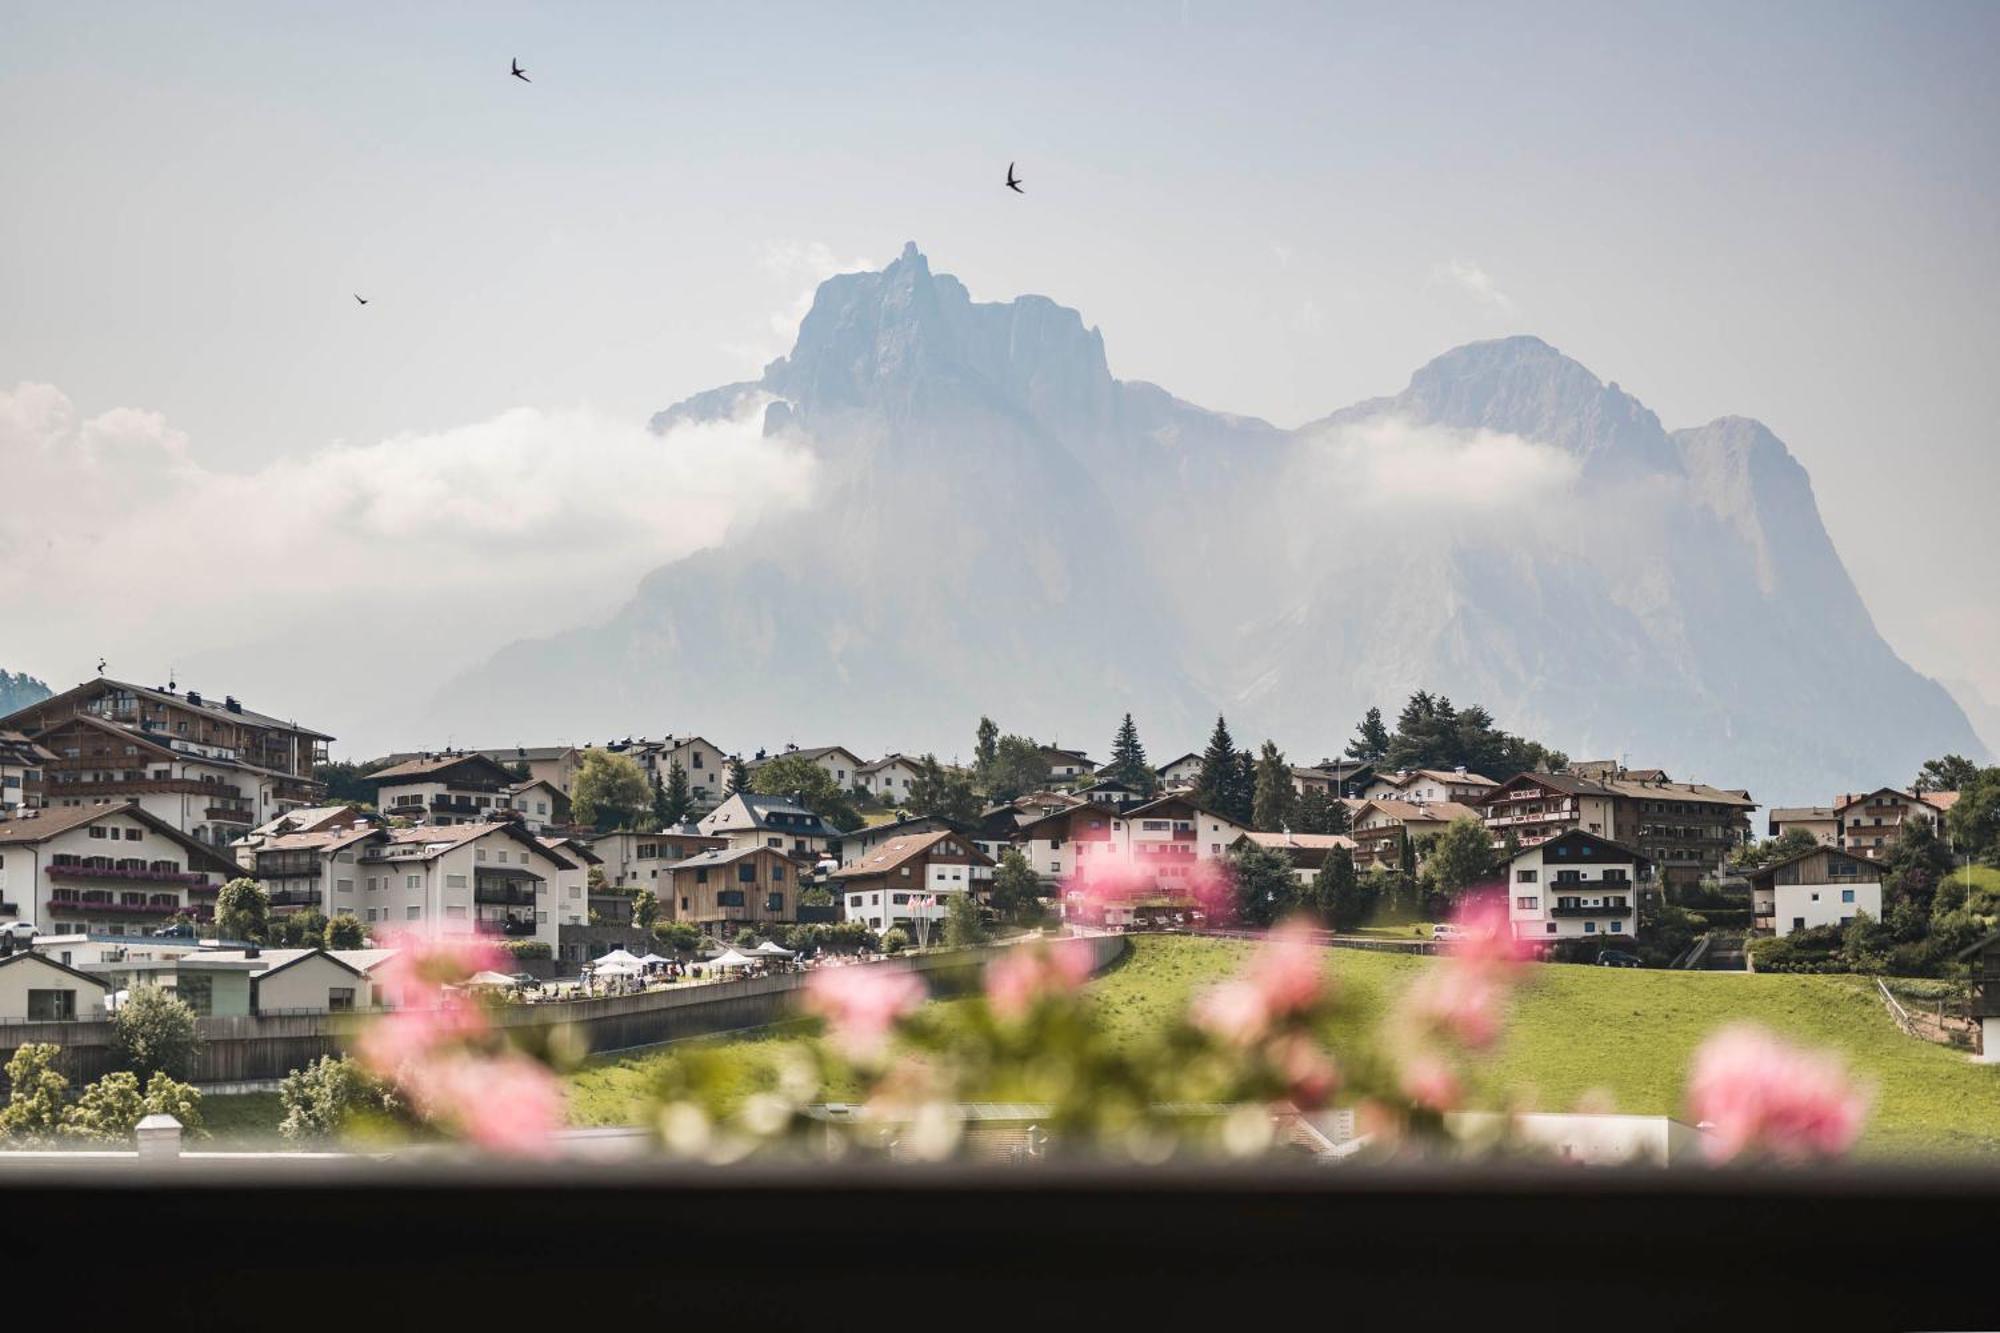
1786	212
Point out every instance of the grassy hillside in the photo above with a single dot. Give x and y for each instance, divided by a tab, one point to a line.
1575	1030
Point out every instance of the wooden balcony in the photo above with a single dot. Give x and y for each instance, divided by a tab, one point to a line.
146	873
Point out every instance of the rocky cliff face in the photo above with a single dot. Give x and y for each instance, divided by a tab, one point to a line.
1003	527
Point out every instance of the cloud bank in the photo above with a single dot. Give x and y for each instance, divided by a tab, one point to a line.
348	567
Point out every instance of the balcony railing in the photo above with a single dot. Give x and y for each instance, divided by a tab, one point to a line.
274	868
68	871
97	907
503	895
487	926
295	898
229	814
1607	907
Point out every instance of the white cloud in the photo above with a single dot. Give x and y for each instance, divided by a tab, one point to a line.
1472	280
1389	475
797	268
442	545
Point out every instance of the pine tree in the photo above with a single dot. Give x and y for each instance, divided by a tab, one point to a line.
672	802
1371	739
739	774
1220	785
1128	760
1344	901
1274	804
987	748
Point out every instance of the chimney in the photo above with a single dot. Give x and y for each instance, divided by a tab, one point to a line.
229	702
194	696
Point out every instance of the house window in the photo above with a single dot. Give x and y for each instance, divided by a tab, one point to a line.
729	898
1590	927
777	874
1798	923
199	992
1847	895
414	912
1527	904
413	881
775	903
454	881
1552	927
51	1006
1525	877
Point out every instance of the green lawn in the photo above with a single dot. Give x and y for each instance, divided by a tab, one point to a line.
1575	1030
240	1118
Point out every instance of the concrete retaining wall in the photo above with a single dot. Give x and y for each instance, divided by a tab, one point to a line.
260	1050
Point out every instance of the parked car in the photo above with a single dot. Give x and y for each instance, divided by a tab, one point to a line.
21	932
184	931
1445	930
526	980
1619	958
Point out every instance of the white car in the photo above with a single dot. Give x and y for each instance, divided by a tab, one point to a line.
1445	930
21	932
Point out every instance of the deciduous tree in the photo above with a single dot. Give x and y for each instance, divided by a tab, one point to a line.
610	791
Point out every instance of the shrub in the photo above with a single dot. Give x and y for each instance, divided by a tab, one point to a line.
242	910
520	949
962	928
108	1109
678	937
155	1032
327	1095
167	1096
895	939
35	1102
345	932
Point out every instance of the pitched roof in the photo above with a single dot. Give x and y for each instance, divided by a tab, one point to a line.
1423	812
761	812
1175	763
1941	800
439	839
1577	834
875	765
1405	777
27	827
722	856
428	764
206	704
1177	798
1793	814
809	752
56	963
1286	841
894	853
1772	867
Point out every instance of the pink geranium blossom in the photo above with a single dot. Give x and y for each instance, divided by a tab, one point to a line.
1758	1094
1283	980
1429	1081
1458	1001
506	1103
862	1004
1310	1075
421	966
1014	983
403	1036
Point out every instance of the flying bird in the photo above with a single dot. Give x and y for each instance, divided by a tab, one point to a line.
517	71
359	297
1013	181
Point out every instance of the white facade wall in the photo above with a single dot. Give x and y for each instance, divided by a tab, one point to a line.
1533	891
26	884
1805	906
34	973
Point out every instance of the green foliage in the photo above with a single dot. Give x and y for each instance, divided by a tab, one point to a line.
36	1091
1814	950
527	949
344	932
986	746
1344	899
1227	783
645	909
1321	812
610	791
242	911
1974	822
303	929
18	690
1461	855
943	793
332	1094
818	895
677	937
1274	804
112	1107
1951	772
1128	760
1371	739
895	940
830	937
739	774
1016	893
673	802
347	783
962	927
1431	733
1751	855
796	776
154	1032
1264	887
1018	767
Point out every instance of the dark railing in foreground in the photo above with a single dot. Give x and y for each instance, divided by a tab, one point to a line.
770	1246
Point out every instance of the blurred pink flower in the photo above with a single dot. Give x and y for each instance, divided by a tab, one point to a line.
1429	1081
506	1103
397	1039
422	966
1284	978
1234	1011
1459	1001
1759	1094
1289	969
1488	939
1028	973
861	1004
1310	1074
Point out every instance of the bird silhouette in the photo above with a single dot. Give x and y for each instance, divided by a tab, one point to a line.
359	297
518	72
1013	181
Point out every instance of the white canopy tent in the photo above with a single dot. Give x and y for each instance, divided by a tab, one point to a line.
733	959
654	960
616	958
494	979
773	949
